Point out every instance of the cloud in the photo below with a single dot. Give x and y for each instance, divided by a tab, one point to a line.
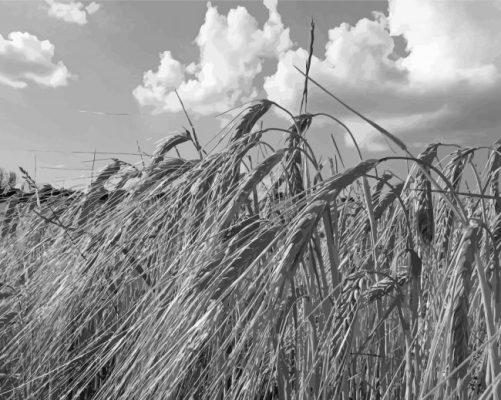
24	58
448	42
72	12
232	52
92	8
445	87
356	62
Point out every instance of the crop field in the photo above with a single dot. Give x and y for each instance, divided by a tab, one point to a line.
256	272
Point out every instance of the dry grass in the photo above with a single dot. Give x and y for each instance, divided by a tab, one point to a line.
212	279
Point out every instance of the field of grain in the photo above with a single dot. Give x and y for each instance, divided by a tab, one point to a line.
255	272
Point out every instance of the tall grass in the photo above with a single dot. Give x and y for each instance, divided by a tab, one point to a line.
216	278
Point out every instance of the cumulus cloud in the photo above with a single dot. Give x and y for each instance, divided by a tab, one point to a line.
24	59
357	60
72	12
232	49
448	42
445	87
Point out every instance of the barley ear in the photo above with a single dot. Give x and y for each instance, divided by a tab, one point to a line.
424	210
459	332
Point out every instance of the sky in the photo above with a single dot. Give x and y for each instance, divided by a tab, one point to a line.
81	82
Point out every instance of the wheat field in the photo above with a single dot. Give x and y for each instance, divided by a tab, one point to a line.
255	272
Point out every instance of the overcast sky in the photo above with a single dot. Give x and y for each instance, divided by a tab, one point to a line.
85	76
